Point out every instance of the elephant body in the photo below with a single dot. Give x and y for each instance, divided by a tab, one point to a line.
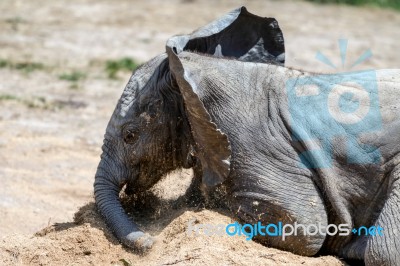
259	130
269	182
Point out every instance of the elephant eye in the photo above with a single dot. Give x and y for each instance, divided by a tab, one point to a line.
130	136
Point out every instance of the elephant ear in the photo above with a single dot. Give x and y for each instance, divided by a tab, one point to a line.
241	35
211	144
238	34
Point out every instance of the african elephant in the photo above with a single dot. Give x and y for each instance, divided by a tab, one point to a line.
287	146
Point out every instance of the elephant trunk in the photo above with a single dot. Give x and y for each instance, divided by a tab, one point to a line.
107	186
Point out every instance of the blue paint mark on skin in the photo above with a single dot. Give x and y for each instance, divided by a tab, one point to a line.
312	120
348	103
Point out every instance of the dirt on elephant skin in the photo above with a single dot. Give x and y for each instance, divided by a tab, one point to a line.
57	95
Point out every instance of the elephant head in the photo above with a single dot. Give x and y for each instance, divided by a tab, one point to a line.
160	124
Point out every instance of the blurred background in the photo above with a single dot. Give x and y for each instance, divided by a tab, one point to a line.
64	64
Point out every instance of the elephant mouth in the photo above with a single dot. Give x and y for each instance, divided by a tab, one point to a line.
132	184
140	180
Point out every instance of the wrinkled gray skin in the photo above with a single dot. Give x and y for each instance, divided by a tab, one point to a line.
230	116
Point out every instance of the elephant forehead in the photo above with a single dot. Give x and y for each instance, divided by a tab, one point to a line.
136	83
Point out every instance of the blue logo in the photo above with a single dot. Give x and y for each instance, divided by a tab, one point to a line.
328	108
279	230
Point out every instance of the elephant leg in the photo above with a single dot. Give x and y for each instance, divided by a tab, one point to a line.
385	249
199	195
194	196
355	250
286	202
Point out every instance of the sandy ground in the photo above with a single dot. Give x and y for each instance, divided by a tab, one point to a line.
51	130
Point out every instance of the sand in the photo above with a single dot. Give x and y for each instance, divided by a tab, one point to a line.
51	129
